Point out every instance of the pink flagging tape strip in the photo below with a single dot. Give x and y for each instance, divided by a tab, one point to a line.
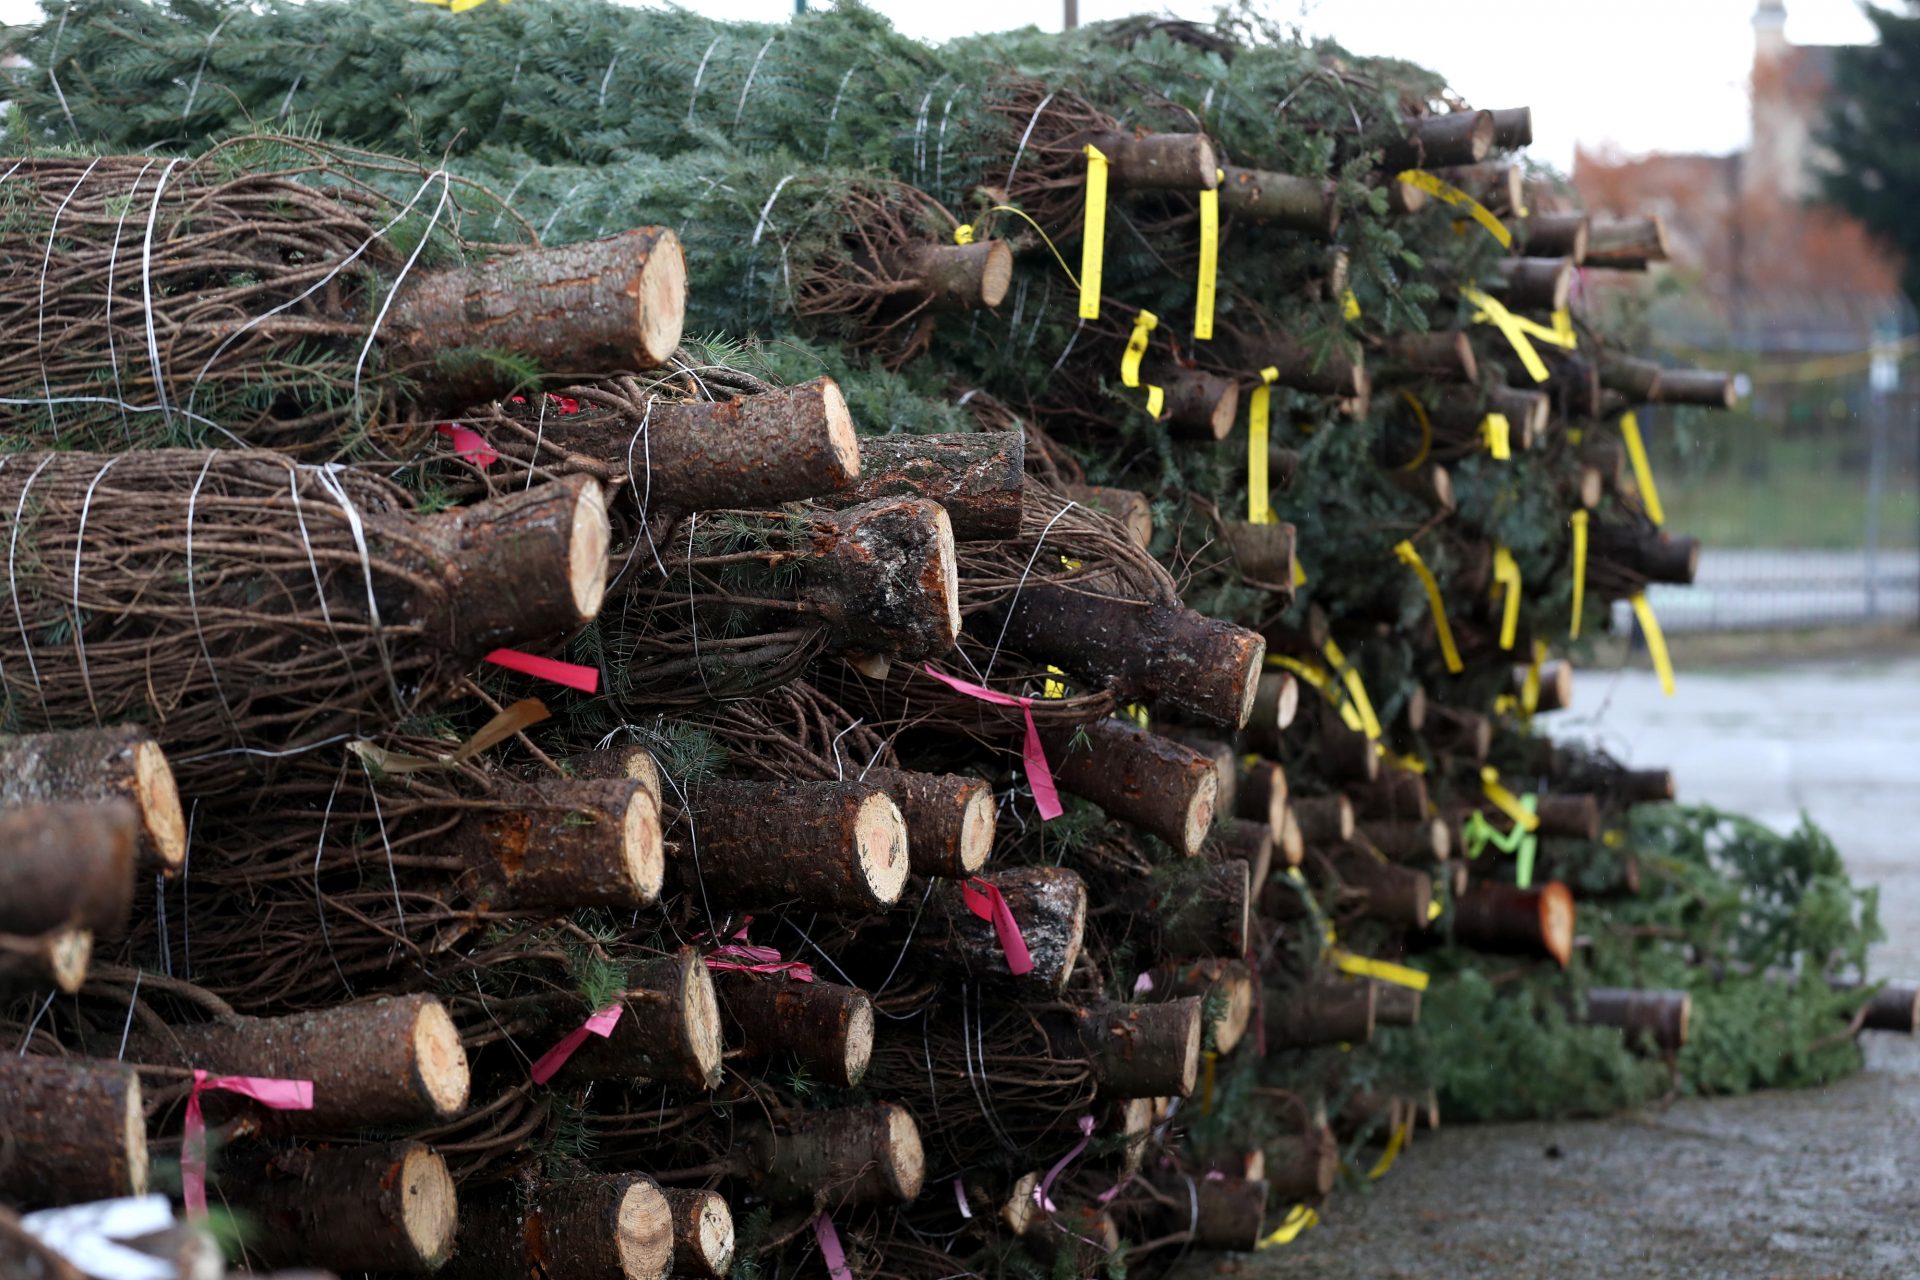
570	674
830	1250
268	1091
1046	796
1042	1194
600	1024
986	901
469	444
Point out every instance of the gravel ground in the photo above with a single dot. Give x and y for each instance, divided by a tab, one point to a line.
1820	1183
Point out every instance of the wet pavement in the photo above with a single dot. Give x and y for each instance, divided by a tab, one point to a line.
1801	1185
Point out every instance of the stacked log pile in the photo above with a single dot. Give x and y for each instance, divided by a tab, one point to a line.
948	778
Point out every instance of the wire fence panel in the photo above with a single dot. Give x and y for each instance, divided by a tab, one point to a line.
1777	590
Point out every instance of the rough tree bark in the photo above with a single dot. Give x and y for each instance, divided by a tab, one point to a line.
1445	355
1397	795
829	846
883	575
67	864
669	1030
1130	508
1048	903
82	765
950	819
57	957
855	1155
1250	842
978	477
957	277
1142	1050
73	1130
1311	205
588	308
1662	1018
1264	554
1324	820
1209	918
1153	782
1321	1012
1199	405
703	1235
1555	235
567	843
1535	284
615	1226
826	1027
1504	919
1159	161
380	1207
1457	137
1627	244
1394	895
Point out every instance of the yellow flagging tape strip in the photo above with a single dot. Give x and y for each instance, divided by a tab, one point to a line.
1362	704
1395	1145
1497	432
1448	651
1382	970
1505	801
1093	245
1298	1219
1579	521
1642	469
1209	264
1450	194
1259	407
1506	573
1656	641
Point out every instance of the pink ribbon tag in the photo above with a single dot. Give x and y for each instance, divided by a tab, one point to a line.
986	901
1143	984
469	444
743	958
1106	1197
600	1024
1046	796
960	1194
1042	1194
830	1250
570	674
268	1091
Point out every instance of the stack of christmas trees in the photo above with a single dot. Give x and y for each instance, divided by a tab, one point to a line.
943	772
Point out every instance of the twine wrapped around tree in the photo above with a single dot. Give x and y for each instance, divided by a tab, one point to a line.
248	608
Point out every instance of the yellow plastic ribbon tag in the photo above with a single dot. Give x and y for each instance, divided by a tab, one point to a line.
1642	470
1506	575
1259	499
1299	574
1093	235
1357	692
1412	764
1497	432
1143	324
1349	306
1053	688
1505	801
1530	687
963	234
1136	712
1206	1082
1434	909
1321	680
1426	429
1209	264
1298	1219
1411	558
457	6
1156	400
1579	522
1396	1143
1656	640
1398	975
1450	194
1510	327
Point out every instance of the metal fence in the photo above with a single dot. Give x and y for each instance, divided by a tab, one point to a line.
1777	590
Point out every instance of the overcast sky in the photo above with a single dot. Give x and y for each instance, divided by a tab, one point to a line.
1644	75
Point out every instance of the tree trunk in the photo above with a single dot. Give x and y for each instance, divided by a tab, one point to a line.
1418	840
1324	820
1556	685
1895	1007
1210	915
1659	1017
384	1207
669	1030
566	844
1535	284
1706	387
1396	896
1395	1005
1397	795
855	1155
1276	701
1501	187
977	476
828	846
577	310
1261	794
703	1235
387	1061
1143	1050
1503	919
1346	755
1288	842
1648	552
1155	783
67	864
95	765
1513	128
957	277
73	1130
1250	842
1466	734
827	1028
521	569
1329	372
1430	482
1199	405
950	819
1226	764
883	575
1159	161
1311	205
1645	786
628	761
1456	137
1160	652
1230	1212
1049	904
1303	1167
1322	1012
1264	554
1555	235
753	451
615	1226
1445	355
1232	980
1131	509
1627	244
1637	380
1303	641
58	958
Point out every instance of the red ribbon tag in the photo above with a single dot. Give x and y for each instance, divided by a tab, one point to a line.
986	901
600	1024
1046	796
469	444
830	1250
571	674
744	958
268	1091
